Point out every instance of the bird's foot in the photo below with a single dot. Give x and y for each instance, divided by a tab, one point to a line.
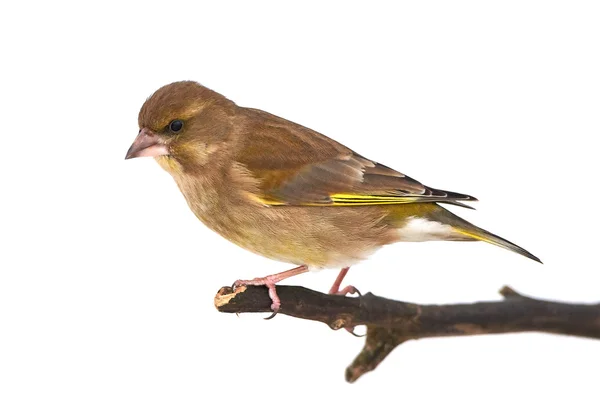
335	290
347	290
269	281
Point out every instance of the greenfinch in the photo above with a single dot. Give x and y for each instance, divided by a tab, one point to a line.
286	192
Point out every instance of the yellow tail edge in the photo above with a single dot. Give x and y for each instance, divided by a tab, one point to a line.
496	240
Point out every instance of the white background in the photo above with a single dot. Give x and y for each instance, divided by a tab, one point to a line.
107	279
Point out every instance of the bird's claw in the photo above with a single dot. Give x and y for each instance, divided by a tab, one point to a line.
351	331
273	314
237	284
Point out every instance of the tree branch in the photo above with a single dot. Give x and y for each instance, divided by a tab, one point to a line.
391	323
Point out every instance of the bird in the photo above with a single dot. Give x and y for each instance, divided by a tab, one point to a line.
287	192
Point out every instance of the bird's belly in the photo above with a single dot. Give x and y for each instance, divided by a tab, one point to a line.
319	237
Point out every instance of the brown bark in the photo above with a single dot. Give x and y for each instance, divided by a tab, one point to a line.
391	323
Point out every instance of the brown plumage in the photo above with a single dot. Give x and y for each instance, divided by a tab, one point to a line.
285	191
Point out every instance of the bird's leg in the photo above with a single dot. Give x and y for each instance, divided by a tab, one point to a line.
335	288
269	281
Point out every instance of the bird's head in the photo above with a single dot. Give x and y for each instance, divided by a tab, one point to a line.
181	125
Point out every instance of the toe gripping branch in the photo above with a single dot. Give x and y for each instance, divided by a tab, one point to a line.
391	323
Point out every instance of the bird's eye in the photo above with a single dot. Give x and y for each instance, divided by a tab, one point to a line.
176	125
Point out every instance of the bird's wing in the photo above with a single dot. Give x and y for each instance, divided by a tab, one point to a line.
314	170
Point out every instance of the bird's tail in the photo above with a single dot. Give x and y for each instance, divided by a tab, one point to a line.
485	236
467	231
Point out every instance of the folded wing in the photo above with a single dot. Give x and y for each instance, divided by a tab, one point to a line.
314	170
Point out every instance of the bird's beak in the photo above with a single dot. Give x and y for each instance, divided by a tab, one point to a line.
147	144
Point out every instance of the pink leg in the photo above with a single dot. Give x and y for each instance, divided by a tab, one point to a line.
269	281
335	288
